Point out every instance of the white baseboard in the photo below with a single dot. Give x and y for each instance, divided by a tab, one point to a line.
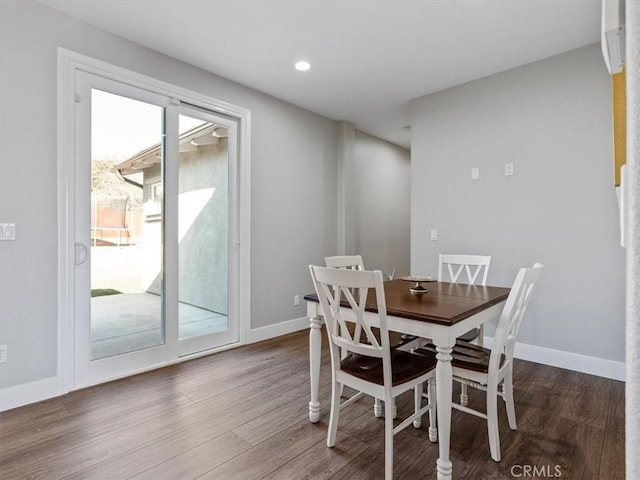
39	390
31	392
282	328
36	391
571	361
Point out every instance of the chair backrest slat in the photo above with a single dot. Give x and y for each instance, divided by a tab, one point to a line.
360	349
513	313
476	268
346	262
349	262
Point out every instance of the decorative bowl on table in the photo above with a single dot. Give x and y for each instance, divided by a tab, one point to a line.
418	281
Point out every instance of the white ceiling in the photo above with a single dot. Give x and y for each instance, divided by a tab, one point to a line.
369	58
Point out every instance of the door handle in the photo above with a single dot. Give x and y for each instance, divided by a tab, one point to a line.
81	253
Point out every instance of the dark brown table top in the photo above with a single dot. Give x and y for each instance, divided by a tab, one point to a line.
444	303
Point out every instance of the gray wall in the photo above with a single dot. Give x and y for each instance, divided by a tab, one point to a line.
552	119
381	195
293	180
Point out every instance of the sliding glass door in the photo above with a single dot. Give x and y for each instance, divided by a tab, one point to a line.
126	225
206	172
154	204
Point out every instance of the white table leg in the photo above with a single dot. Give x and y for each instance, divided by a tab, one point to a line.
315	344
444	387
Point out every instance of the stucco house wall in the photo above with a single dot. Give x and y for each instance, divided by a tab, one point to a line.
203	213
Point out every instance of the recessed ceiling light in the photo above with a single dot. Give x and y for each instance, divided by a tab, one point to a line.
302	66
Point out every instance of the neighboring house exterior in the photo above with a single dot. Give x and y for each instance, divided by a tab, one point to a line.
202	216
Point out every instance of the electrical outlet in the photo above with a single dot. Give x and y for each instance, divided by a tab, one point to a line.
3	353
296	300
434	234
475	173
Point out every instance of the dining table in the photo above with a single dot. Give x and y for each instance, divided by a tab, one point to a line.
438	311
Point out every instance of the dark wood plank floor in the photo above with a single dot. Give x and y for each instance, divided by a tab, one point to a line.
242	414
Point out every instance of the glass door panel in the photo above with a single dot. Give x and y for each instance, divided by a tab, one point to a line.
203	228
126	237
155	202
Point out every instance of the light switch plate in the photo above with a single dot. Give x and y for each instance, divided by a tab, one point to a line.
7	231
475	173
508	169
434	234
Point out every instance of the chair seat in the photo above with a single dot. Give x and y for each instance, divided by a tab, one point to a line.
405	366
396	339
465	355
471	335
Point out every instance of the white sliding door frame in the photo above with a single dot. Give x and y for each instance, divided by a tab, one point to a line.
68	64
88	370
186	346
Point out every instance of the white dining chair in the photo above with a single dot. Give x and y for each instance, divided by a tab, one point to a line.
354	262
371	367
475	268
479	367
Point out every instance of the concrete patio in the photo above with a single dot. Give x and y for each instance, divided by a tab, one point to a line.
131	320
